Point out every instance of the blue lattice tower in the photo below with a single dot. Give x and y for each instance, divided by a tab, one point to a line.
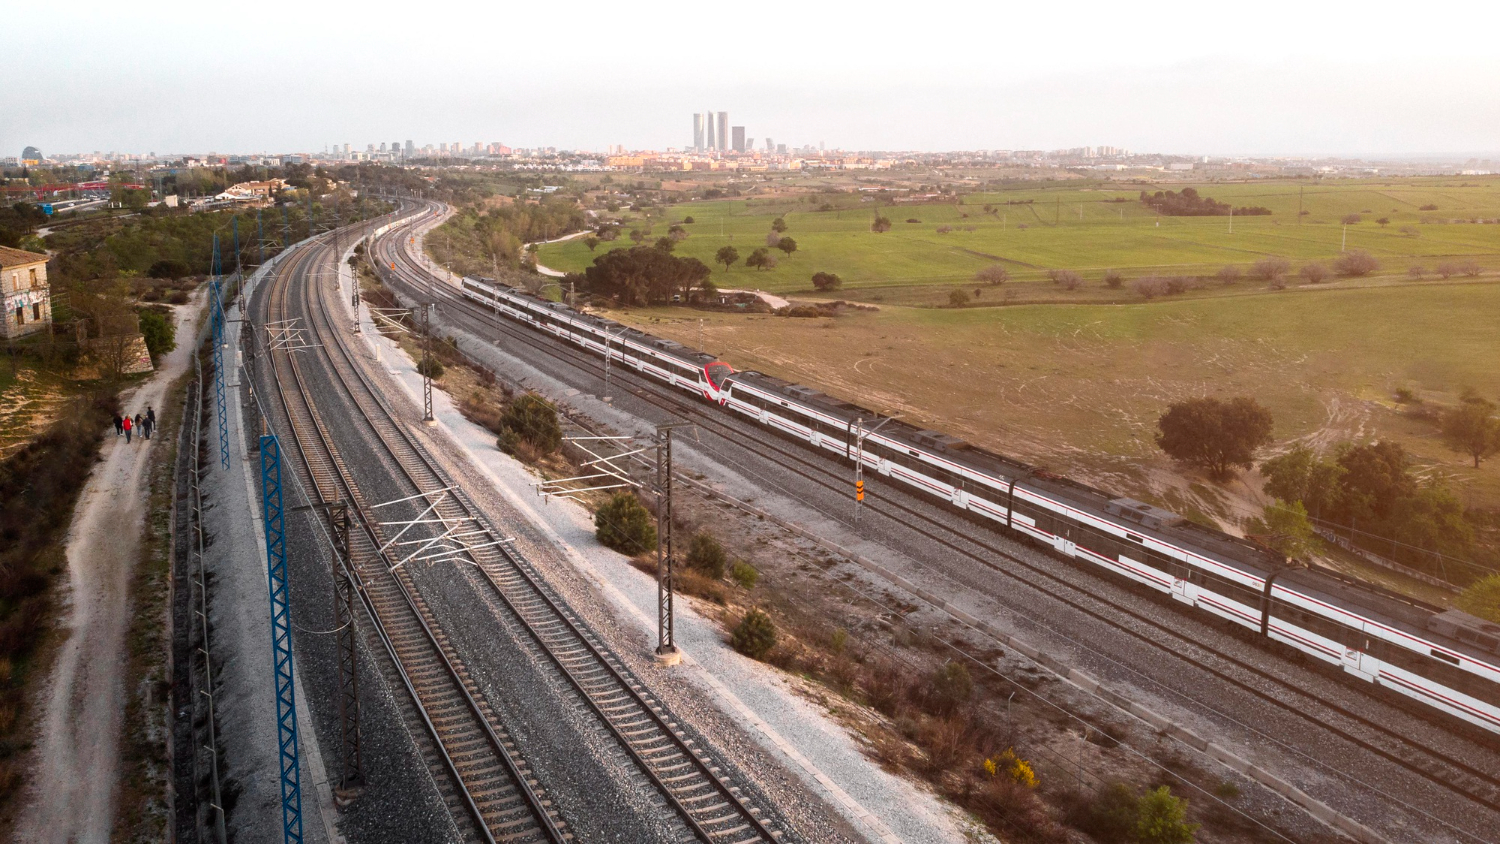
281	639
217	316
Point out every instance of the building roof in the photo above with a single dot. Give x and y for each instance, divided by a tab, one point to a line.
19	257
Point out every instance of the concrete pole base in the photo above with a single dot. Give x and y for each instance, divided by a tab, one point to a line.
668	658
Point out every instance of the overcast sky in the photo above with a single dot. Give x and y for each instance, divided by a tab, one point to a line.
1271	77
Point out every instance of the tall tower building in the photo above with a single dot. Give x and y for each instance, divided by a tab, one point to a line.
738	144
698	132
708	131
723	131
411	149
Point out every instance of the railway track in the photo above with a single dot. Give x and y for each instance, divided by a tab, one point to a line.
1452	774
695	786
490	782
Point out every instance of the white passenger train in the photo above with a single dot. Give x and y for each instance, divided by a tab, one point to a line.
1447	660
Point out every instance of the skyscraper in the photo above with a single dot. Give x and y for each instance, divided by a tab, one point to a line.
723	131
708	131
411	149
739	139
698	132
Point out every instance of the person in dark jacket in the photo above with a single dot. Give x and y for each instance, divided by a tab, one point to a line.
119	424
150	421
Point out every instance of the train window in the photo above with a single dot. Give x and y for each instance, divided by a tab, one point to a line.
1445	657
1134	538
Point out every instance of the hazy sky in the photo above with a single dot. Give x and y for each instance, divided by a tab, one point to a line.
1270	77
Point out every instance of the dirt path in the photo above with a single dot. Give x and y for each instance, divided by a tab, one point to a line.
75	772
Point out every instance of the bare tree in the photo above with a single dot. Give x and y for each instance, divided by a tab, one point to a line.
994	274
1313	273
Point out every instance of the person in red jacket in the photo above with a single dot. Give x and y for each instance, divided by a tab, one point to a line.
128	425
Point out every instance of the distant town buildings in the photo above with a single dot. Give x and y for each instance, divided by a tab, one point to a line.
27	296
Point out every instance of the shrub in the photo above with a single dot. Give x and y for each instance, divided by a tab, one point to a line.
1068	279
431	367
1351	219
1313	273
1113	279
1229	274
913	220
744	574
944	229
827	281
533	419
706	555
755	635
1018	770
1161	818
949	688
1384	221
1411	231
1415	272
1482	598
1271	268
958	298
1404	395
880	225
688	221
1355	262
158	331
1428	207
169	268
1470	268
624	524
1110	816
1447	269
993	275
1150	287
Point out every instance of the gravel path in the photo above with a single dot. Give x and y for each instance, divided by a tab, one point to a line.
75	773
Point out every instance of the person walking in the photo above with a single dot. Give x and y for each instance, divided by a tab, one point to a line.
150	421
147	426
127	427
119	424
140	426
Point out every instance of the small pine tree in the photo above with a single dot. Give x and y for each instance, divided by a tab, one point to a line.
625	525
1162	819
706	555
755	635
533	419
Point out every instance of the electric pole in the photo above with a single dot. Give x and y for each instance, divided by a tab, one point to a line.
666	648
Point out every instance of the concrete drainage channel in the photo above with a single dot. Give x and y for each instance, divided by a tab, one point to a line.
1078	679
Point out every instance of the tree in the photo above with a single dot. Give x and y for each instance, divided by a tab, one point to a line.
760	259
726	255
1374	482
1162	819
1470	268
958	299
772	238
1355	262
787	245
624	524
688	221
994	275
755	635
677	232
1447	268
1067	279
1229	274
1285	527
1351	219
158	331
1313	273
1113	279
1482	598
778	225
1471	428
1271	268
665	244
1301	475
644	275
532	419
591	242
1384	221
880	225
706	555
1213	434
826	281
637	235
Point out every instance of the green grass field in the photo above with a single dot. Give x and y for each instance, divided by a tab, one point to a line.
1078	229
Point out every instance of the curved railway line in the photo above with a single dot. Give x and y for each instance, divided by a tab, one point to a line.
479	758
1455	775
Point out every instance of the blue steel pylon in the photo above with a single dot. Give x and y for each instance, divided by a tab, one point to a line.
281	639
221	404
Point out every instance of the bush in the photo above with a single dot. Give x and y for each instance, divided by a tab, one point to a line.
744	574
688	221
706	555
1428	207
1351	219
993	275
1161	818
949	688
1355	262
625	525
1150	287
1113	279
1470	268
958	299
880	224
1447	269
1313	273
1110	816
1067	279
755	635
431	368
913	220
169	268
827	281
1270	269
533	419
1229	274
158	331
1414	272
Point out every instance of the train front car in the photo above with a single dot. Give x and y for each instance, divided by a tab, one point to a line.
716	381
